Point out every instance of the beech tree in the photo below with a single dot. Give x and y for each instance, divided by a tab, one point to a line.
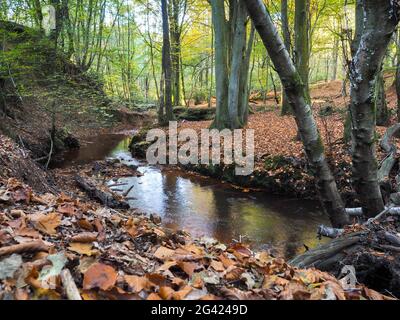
297	95
165	113
302	42
379	23
232	61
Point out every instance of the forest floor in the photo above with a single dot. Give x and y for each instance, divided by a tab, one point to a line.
279	155
61	244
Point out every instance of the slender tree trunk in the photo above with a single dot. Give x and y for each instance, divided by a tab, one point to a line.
296	93
380	21
221	120
302	42
335	58
286	109
166	64
239	45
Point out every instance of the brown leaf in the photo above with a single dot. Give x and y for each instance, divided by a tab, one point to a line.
82	248
181	294
233	273
163	253
188	267
166	293
153	296
47	223
85	237
67	209
136	283
85	224
217	266
227	262
100	276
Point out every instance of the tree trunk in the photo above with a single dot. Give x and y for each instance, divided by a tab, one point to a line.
302	43
286	109
380	21
166	65
221	67
297	95
381	107
238	48
232	63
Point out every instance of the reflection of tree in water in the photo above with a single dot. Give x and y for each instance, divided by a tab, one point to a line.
95	149
223	224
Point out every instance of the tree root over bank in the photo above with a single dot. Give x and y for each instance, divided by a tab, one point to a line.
373	251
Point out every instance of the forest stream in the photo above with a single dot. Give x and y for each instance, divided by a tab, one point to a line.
204	206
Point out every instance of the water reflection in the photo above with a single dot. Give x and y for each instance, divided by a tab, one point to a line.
204	206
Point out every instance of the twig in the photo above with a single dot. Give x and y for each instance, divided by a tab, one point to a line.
71	290
50	153
125	194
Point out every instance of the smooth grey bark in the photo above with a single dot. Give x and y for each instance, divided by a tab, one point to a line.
381	107
296	93
221	120
166	69
232	63
302	42
238	47
245	82
380	21
286	109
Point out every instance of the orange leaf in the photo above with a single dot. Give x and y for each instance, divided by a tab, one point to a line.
163	253
82	248
188	267
99	276
217	266
181	294
153	296
166	293
136	283
47	223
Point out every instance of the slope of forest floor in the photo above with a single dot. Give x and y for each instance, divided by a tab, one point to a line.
62	245
43	100
280	163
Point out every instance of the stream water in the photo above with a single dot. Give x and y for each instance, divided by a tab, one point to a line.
205	206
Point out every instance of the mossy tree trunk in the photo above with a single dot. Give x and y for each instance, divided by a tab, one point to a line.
297	94
285	105
165	110
302	42
232	63
380	21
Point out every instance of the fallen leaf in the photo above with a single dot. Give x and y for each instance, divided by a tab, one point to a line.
136	283
163	253
100	276
47	223
9	265
217	266
181	294
82	248
153	296
166	293
85	237
188	267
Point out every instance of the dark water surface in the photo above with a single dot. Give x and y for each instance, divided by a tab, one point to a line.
205	206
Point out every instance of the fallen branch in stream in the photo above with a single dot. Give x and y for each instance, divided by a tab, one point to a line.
104	197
